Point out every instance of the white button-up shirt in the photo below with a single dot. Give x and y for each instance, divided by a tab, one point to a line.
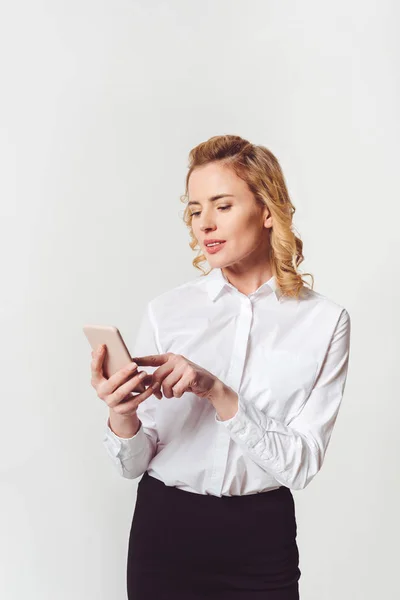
287	360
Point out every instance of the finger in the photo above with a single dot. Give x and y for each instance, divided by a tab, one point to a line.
161	373
170	380
97	365
182	386
123	390
147	381
104	386
125	408
126	373
143	383
153	360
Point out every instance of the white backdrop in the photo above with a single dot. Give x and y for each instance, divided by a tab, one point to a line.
100	103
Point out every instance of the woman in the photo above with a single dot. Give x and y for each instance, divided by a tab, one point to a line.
251	367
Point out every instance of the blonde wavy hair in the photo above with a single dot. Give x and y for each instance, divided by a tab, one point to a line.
260	169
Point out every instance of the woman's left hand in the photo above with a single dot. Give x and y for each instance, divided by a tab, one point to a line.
177	374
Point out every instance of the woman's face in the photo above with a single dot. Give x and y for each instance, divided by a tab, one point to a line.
235	217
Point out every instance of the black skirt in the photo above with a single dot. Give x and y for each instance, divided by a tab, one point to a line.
190	546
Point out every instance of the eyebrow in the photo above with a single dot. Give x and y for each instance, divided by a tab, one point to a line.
213	198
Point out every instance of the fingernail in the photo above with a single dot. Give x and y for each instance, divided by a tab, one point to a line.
155	385
133	366
142	374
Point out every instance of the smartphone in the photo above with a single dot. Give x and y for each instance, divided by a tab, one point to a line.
117	354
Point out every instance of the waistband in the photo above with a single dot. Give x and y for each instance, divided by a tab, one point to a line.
272	495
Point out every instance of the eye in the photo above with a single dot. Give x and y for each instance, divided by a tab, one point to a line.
219	208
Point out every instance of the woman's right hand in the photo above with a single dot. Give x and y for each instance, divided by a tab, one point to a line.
116	391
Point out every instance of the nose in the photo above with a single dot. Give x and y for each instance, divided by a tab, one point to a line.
205	221
207	225
207	228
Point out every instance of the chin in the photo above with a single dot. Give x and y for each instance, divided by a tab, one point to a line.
219	264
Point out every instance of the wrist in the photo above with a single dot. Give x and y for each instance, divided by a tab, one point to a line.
124	426
225	401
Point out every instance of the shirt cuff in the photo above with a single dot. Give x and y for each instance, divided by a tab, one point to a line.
125	447
236	419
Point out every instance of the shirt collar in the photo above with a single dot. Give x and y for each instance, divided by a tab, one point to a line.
216	281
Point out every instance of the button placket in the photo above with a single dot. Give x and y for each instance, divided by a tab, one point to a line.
233	379
239	352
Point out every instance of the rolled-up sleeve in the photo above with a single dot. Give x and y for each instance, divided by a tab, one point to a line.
294	453
131	456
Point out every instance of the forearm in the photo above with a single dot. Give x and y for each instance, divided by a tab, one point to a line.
124	426
280	450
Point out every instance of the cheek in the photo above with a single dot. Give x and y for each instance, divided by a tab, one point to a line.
245	232
236	225
195	229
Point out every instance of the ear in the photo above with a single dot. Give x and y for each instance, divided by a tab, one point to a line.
267	219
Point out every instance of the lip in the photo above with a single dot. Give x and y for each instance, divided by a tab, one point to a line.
214	249
212	240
